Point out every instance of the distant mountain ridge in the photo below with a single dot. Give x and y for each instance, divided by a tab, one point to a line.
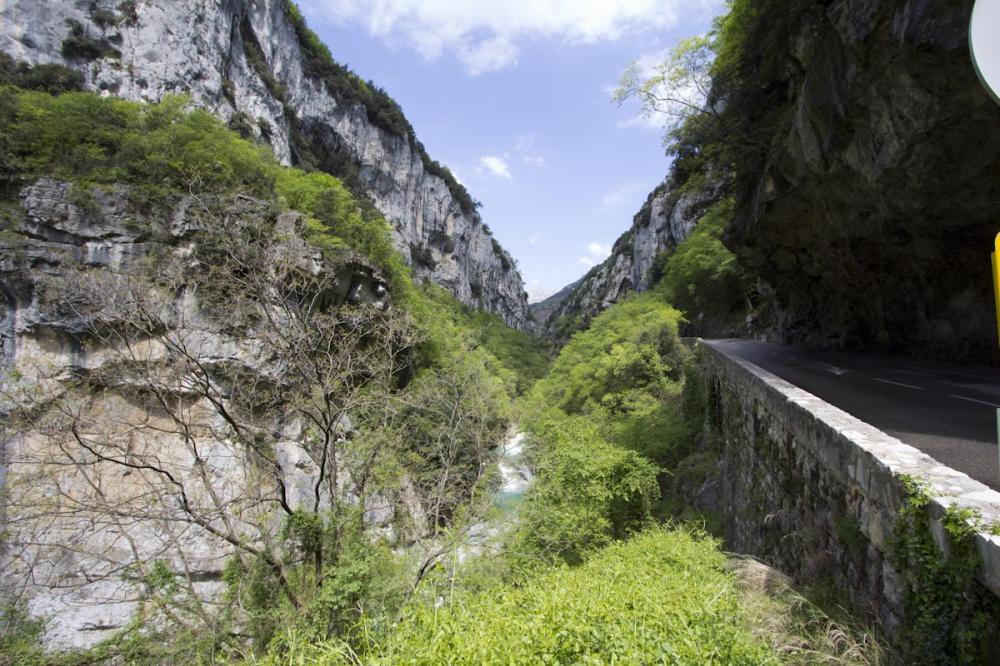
666	218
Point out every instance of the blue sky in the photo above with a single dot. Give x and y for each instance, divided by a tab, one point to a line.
514	97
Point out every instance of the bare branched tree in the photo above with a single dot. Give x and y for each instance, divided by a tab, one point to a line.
211	414
450	415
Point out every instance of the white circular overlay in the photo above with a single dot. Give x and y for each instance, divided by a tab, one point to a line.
984	42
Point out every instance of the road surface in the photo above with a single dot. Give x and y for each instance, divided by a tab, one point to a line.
948	412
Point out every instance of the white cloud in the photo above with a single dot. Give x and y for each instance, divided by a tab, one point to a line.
524	147
596	253
625	193
488	56
536	292
534	238
484	34
598	250
495	165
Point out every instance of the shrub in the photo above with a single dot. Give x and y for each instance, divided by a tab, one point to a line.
662	597
588	493
48	78
129	10
521	355
422	256
702	277
629	354
103	18
79	45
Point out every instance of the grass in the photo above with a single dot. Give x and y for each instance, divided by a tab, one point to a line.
811	627
662	597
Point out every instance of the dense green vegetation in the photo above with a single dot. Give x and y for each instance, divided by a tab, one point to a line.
165	150
584	576
49	78
703	279
613	491
624	374
741	61
431	407
948	612
520	353
662	597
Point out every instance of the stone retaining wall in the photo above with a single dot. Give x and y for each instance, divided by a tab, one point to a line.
815	492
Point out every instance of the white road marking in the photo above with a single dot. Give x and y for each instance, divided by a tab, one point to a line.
889	381
834	369
981	402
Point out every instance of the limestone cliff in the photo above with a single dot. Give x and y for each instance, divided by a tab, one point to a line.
873	214
665	219
79	516
256	65
865	160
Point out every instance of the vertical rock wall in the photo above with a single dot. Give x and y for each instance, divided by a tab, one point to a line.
243	61
873	217
667	218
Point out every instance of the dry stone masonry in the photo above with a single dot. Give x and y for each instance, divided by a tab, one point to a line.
817	493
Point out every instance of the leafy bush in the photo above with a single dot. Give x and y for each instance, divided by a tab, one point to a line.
588	493
662	597
129	10
103	18
522	357
50	78
702	277
629	355
79	45
164	147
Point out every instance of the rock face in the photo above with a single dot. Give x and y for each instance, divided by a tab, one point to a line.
79	529
246	62
874	216
667	218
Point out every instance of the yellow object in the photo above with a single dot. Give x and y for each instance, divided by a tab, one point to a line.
996	284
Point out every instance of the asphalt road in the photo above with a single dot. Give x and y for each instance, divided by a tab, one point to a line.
946	411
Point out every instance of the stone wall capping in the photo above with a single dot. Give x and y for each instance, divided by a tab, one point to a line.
862	458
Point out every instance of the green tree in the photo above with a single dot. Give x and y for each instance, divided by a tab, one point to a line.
702	278
677	88
588	493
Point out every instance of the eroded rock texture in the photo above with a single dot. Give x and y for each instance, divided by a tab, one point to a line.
115	459
243	61
873	220
667	218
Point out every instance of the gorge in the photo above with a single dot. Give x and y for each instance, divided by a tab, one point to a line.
272	392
